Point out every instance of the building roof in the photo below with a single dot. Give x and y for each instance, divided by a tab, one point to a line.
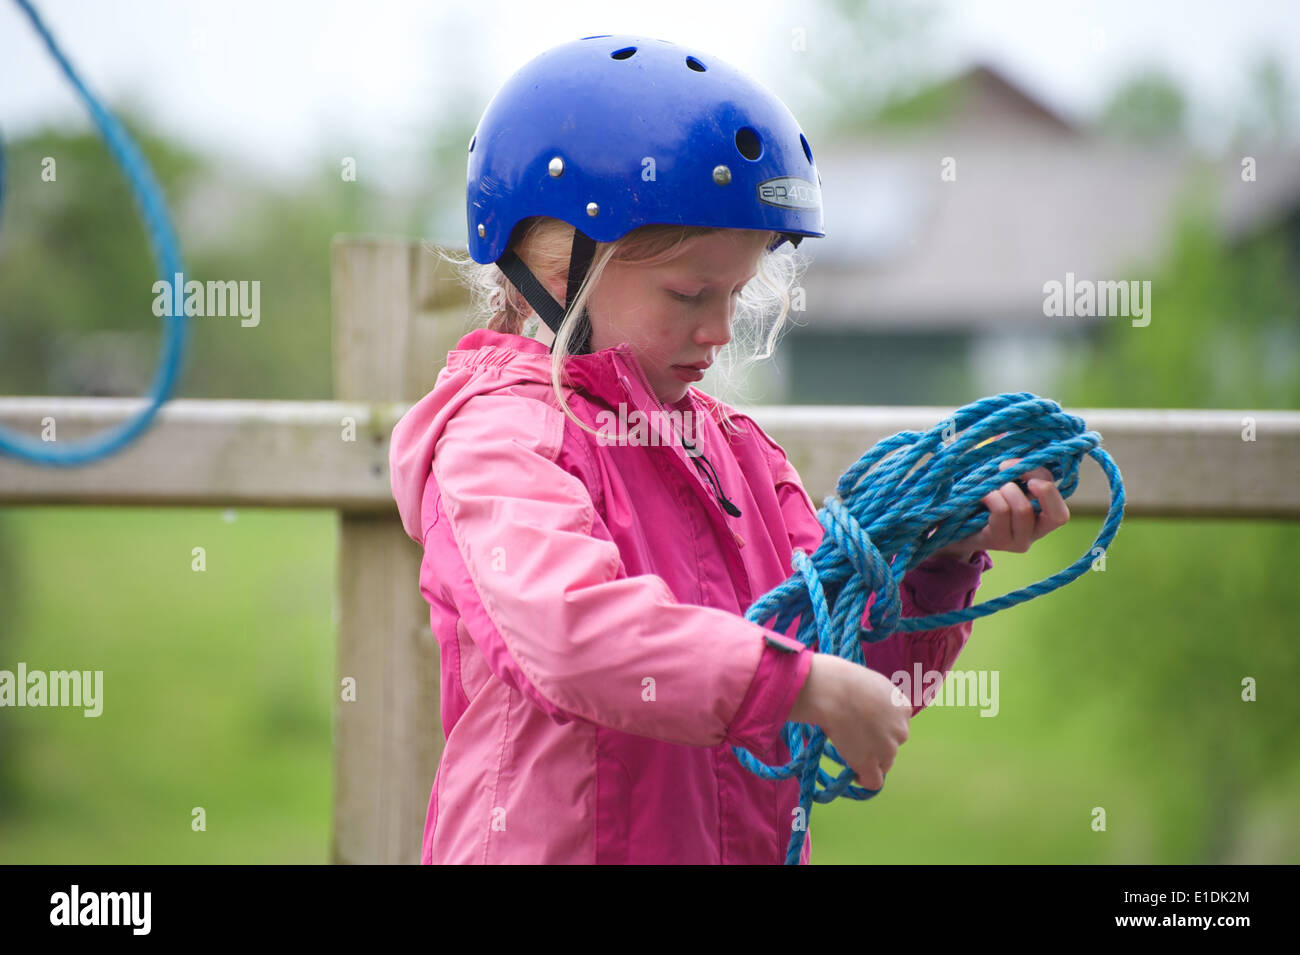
1028	197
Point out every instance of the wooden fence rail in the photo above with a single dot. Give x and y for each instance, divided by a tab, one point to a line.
335	454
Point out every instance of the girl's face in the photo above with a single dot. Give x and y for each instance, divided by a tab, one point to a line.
678	312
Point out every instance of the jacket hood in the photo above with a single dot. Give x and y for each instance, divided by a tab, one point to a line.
482	362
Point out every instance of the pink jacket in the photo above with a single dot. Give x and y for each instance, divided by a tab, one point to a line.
587	599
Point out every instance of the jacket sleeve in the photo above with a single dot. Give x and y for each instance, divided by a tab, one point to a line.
935	585
557	617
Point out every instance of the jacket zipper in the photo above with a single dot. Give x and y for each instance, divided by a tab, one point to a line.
695	454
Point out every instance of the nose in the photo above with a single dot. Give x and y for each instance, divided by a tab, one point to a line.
715	327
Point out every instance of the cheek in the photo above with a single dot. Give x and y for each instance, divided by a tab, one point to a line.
670	327
656	336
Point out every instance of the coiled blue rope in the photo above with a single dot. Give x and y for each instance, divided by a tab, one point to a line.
878	527
166	253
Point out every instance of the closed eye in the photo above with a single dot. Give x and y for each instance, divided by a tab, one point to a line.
679	296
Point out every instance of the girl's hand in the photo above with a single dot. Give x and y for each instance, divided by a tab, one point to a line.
1013	525
860	710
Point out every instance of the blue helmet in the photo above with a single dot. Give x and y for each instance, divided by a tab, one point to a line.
610	133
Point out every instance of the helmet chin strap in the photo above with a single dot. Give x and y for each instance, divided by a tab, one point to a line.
549	310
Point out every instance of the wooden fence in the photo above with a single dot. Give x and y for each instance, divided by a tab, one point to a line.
397	311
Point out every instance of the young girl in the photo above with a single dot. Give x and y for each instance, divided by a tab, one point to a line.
594	528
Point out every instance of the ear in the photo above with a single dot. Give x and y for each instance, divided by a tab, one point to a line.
557	288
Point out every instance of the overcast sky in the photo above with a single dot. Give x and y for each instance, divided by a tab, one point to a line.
276	81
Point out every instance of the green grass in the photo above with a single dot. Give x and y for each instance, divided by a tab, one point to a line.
217	686
1121	691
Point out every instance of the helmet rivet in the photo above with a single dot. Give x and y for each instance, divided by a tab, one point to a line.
481	231
721	175
593	210
556	167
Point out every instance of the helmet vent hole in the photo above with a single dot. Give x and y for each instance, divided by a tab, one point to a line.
598	36
695	64
747	141
624	53
472	141
807	150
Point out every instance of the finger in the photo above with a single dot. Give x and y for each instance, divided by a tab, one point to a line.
981	540
1025	482
1022	517
1022	482
1054	513
998	528
1023	479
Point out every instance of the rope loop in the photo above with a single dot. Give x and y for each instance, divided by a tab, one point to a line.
909	496
167	256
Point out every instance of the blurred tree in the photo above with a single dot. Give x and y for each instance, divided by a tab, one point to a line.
846	59
74	253
1223	334
1223	330
1148	106
1264	115
76	273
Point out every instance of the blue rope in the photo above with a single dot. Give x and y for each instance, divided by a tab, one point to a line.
166	253
876	531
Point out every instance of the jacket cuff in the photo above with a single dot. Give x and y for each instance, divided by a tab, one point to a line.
782	671
940	584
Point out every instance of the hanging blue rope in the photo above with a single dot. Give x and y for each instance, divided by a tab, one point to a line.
166	253
877	528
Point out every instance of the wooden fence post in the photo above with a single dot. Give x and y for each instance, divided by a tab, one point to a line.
387	348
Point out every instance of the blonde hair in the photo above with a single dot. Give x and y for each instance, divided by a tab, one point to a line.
544	244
